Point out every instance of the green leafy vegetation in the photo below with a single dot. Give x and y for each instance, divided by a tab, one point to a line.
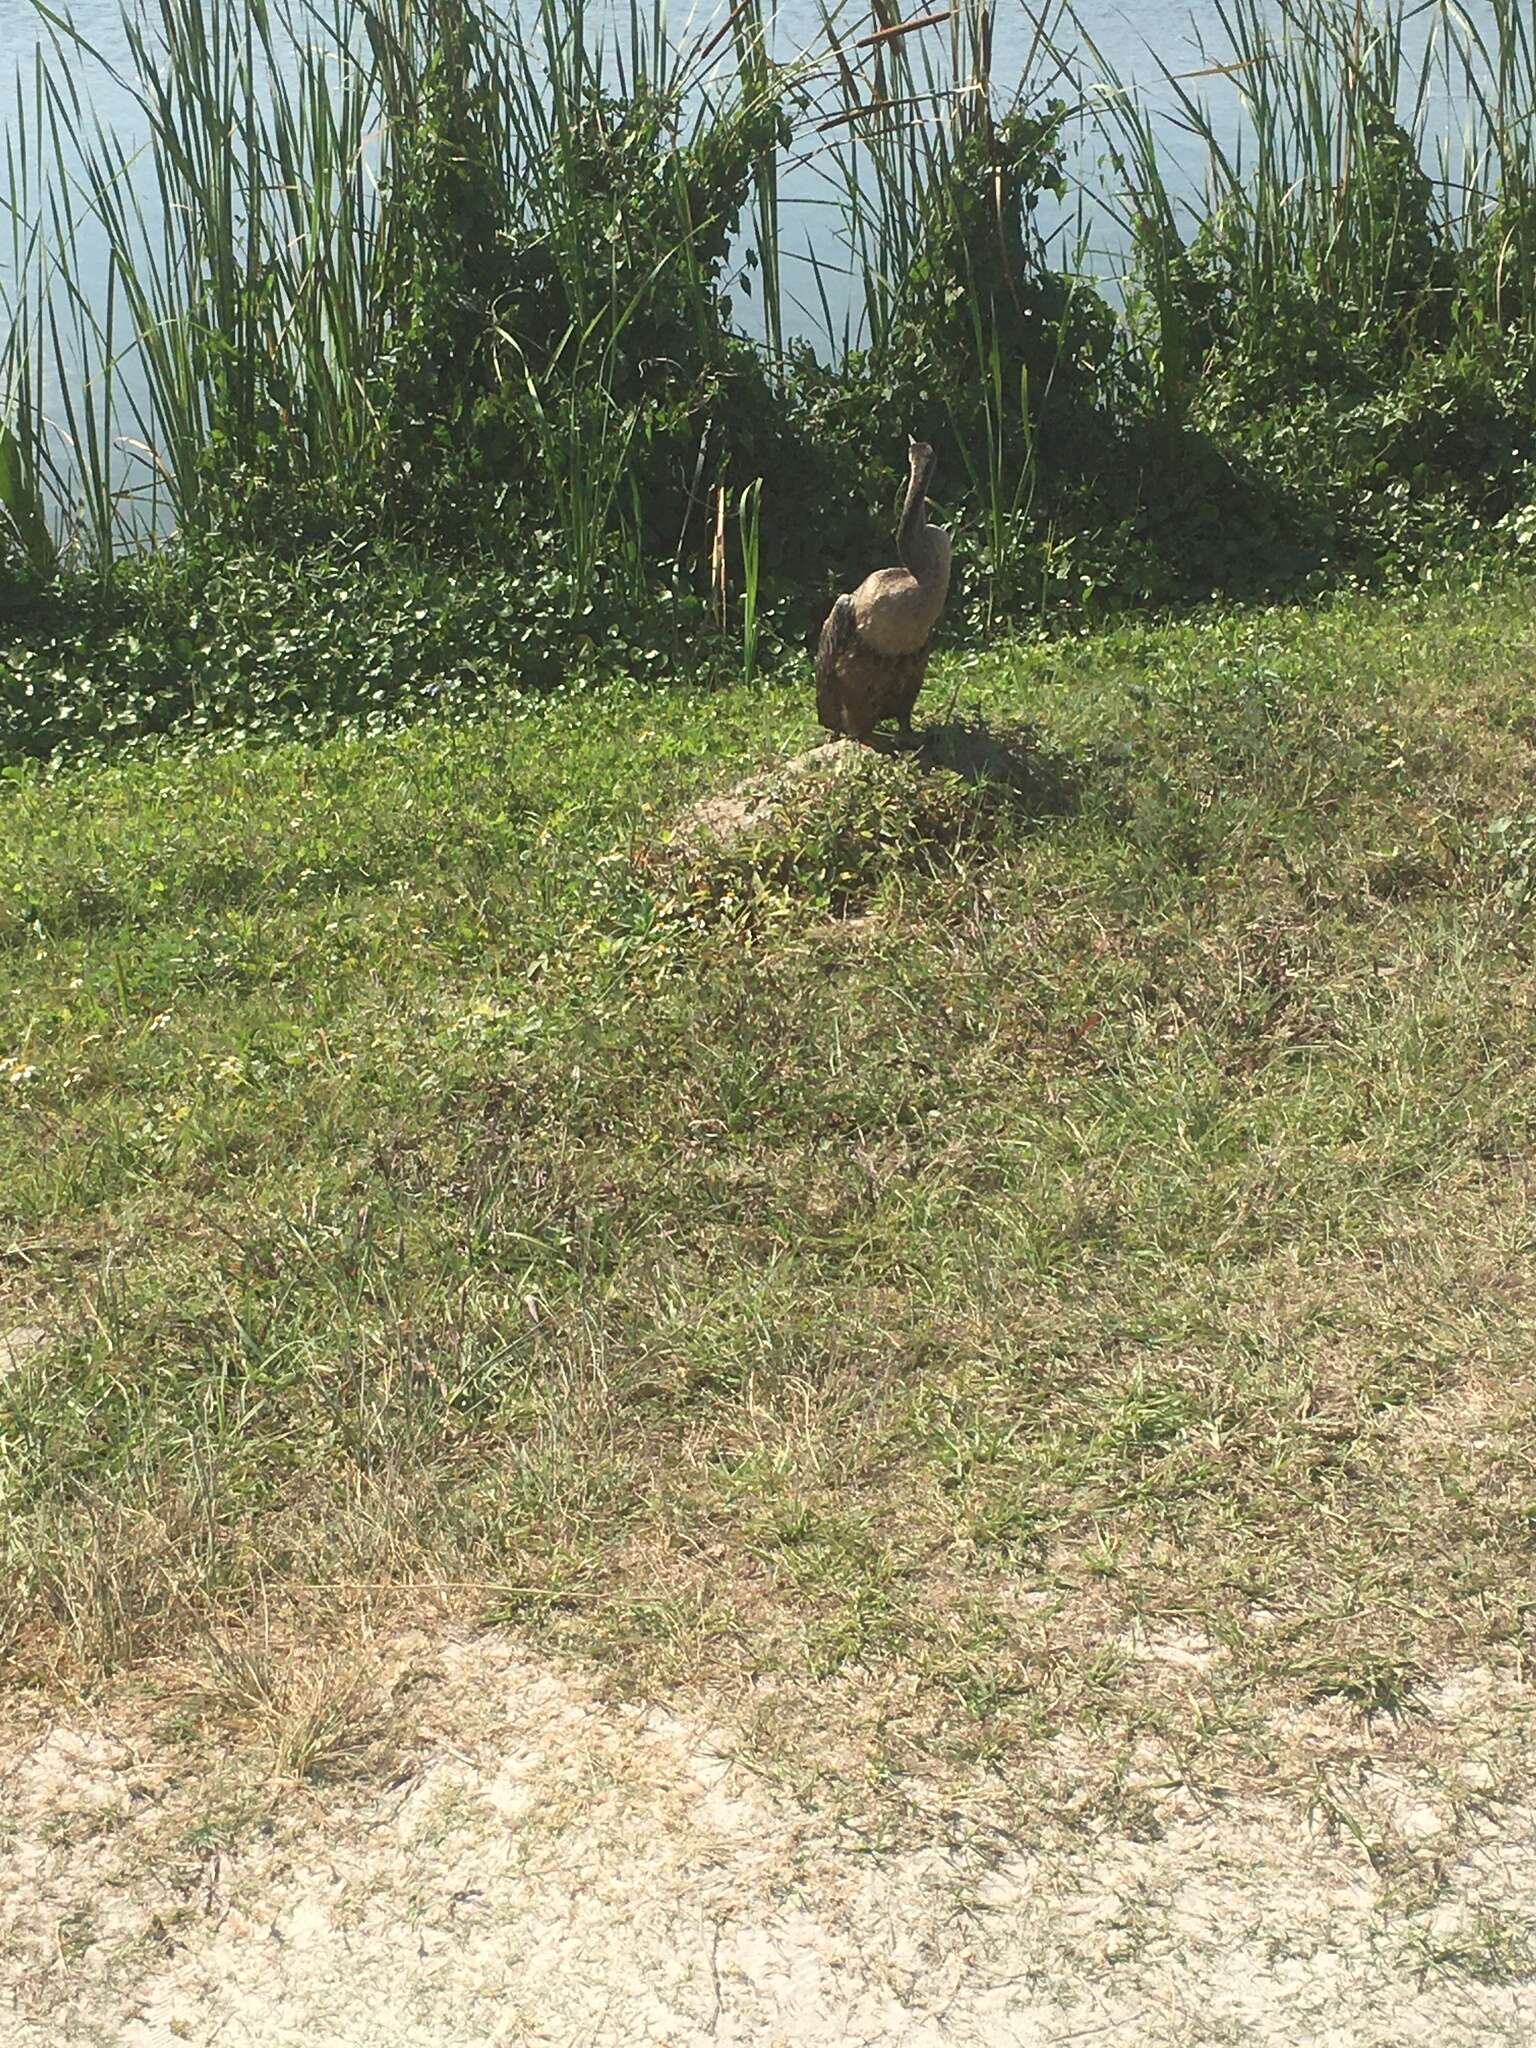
961	1233
404	291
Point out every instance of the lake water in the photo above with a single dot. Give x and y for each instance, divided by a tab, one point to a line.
1134	42
1173	29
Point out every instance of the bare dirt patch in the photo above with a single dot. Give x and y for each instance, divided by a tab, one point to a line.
528	1862
20	1345
734	814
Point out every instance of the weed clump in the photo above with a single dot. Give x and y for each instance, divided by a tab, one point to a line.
835	831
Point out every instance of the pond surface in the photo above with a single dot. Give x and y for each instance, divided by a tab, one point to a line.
1130	42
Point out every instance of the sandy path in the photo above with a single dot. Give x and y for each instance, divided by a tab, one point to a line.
543	1867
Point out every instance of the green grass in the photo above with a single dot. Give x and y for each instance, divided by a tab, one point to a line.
950	1242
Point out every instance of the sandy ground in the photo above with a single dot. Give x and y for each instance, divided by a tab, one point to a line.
522	1861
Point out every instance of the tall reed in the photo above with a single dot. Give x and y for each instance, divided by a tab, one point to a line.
749	513
362	237
269	254
1333	196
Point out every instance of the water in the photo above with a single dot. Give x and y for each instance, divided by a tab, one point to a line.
1133	43
1126	36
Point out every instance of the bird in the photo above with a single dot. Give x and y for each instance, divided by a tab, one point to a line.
873	652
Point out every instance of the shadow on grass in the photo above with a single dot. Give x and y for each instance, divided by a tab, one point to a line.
1045	778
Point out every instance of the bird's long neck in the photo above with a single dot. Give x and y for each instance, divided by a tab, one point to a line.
915	539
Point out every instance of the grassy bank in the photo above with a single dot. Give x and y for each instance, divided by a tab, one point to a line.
927	1245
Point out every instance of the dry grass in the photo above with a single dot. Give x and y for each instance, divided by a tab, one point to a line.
317	1712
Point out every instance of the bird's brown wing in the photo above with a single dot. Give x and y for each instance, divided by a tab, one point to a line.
837	639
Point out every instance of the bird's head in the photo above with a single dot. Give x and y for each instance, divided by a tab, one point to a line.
920	456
